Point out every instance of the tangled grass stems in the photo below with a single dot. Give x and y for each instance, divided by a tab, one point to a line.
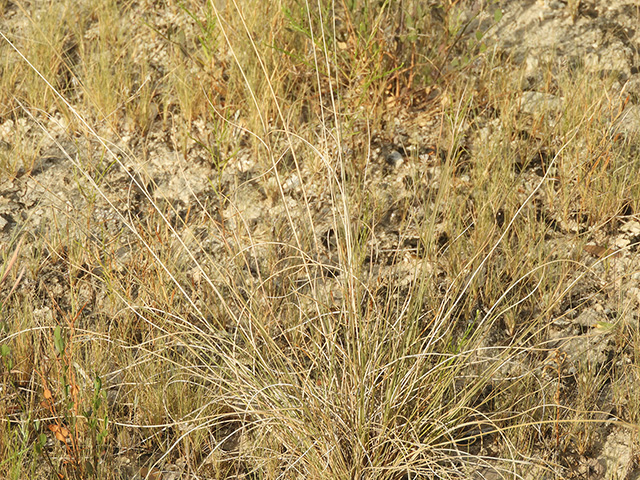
271	361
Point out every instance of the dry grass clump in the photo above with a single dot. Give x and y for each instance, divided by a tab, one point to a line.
298	307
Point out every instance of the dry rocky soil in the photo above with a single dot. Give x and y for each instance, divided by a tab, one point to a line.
603	36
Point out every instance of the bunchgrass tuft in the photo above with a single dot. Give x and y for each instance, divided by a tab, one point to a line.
219	272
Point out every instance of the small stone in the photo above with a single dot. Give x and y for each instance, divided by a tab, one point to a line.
629	122
291	183
632	227
535	102
394	158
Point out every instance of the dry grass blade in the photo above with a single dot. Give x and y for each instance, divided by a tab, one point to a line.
242	261
9	265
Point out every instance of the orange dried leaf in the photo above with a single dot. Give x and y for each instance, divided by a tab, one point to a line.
60	432
47	394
